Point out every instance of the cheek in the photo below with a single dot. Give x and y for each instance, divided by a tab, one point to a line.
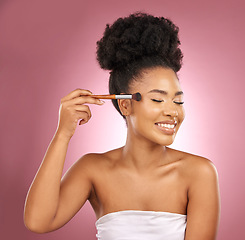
147	111
181	114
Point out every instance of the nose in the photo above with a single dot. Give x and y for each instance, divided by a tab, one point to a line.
169	109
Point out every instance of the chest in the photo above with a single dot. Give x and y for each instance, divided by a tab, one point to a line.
163	189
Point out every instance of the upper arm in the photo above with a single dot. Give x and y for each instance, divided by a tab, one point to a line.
203	208
75	189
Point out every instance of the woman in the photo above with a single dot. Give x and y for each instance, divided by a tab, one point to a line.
143	190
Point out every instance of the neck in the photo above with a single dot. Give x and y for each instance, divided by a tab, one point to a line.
142	154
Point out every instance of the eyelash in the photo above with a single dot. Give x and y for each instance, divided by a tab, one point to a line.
159	101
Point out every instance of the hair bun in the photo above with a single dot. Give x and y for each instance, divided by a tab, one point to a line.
137	36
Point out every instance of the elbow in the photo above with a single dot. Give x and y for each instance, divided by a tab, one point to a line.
33	226
34	222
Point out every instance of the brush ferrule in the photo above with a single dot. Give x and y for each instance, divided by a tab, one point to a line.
124	96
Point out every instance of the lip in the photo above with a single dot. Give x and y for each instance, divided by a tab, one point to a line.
167	130
172	122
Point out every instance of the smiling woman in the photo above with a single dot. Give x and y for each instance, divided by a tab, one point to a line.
160	112
143	190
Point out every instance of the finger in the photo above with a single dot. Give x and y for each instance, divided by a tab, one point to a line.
76	93
84	118
82	122
86	99
83	108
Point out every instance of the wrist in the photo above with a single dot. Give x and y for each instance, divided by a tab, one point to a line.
62	136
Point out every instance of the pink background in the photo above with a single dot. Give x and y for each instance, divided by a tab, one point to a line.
47	49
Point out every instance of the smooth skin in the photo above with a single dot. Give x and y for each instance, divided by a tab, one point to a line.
144	175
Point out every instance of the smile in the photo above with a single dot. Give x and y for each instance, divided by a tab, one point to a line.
170	126
166	127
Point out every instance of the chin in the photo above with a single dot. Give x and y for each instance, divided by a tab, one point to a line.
167	143
165	140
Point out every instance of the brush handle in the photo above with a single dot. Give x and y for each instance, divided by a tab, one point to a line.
112	96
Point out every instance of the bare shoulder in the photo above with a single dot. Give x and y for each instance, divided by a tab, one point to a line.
195	165
200	166
98	160
203	207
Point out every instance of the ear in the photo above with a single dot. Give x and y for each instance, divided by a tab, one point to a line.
125	106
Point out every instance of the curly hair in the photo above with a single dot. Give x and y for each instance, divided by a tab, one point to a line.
134	43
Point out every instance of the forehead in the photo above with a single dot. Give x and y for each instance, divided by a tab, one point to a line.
156	78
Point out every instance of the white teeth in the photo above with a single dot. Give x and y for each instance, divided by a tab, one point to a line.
165	125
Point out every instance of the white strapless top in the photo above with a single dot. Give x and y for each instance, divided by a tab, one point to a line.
141	225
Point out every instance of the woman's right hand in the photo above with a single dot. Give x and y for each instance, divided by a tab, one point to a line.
72	109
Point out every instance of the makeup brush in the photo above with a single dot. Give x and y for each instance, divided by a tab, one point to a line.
135	96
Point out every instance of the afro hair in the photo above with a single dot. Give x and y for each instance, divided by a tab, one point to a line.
134	43
137	36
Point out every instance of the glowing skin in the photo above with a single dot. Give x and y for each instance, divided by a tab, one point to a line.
143	175
161	98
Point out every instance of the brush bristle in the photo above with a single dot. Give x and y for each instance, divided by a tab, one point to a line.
136	96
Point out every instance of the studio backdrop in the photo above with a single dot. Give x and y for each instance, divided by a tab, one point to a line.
48	49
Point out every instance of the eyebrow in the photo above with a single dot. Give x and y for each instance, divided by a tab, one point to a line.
164	92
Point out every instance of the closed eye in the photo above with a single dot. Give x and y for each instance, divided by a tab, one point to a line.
155	100
178	102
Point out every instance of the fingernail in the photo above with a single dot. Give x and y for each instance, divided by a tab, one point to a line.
102	102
